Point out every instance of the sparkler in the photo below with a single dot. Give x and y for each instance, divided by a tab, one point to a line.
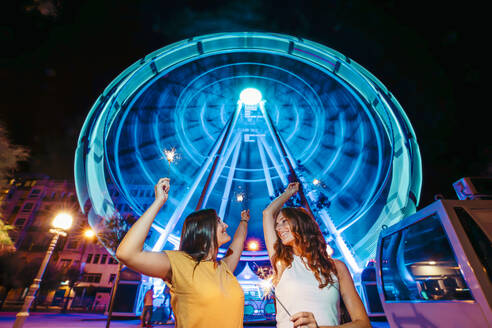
266	284
240	197
269	289
171	155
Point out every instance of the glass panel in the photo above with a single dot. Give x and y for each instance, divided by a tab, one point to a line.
418	263
480	243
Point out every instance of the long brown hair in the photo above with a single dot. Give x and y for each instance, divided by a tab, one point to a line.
311	243
199	234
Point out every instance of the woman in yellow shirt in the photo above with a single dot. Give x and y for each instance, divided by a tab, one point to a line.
204	292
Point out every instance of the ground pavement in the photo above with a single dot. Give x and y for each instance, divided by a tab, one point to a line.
88	320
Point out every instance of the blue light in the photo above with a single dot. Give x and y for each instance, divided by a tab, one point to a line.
334	122
250	96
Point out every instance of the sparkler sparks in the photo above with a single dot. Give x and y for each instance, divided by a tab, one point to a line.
268	289
171	155
240	197
266	284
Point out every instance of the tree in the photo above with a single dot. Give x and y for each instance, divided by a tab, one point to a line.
10	156
6	244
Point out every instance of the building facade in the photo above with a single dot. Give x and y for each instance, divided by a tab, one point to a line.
29	203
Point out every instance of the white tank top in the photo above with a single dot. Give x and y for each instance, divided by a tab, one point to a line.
298	290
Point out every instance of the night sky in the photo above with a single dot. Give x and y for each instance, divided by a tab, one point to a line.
58	56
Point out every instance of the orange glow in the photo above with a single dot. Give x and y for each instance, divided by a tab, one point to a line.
89	233
253	245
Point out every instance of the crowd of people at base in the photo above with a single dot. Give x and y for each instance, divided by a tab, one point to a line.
204	291
162	314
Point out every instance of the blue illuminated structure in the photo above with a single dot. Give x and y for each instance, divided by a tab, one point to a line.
321	119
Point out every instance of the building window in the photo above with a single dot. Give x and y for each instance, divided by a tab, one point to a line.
92	277
112	261
96	258
112	277
103	258
19	223
73	244
65	263
35	193
27	207
89	258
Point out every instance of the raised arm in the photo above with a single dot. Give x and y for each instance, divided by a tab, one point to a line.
271	212
130	251
237	245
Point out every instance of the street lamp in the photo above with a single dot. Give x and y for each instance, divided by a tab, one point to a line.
62	222
89	233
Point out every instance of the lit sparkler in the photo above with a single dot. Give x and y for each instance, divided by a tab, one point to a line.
171	155
266	284
268	289
240	197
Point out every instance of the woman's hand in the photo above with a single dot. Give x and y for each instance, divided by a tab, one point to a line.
304	319
162	189
292	189
237	245
245	215
131	249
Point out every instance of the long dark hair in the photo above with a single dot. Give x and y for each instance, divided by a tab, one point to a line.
310	241
199	235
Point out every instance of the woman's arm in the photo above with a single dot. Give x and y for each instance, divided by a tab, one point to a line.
351	298
352	301
237	245
130	251
271	212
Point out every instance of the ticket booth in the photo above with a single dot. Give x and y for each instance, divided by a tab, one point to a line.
434	268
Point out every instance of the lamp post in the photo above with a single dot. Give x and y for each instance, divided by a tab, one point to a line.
62	222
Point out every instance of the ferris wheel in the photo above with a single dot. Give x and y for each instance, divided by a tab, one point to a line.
231	118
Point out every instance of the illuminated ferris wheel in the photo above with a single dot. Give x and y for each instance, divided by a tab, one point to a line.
232	118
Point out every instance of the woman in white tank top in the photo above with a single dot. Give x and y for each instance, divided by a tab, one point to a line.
308	282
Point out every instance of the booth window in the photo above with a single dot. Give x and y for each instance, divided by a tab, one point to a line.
478	239
418	264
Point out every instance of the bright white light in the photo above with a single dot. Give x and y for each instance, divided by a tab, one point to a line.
253	245
63	221
89	233
329	250
250	96
315	182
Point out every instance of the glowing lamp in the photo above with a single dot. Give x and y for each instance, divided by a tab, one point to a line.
250	96
253	245
89	233
62	221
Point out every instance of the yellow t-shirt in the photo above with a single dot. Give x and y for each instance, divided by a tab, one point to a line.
211	297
